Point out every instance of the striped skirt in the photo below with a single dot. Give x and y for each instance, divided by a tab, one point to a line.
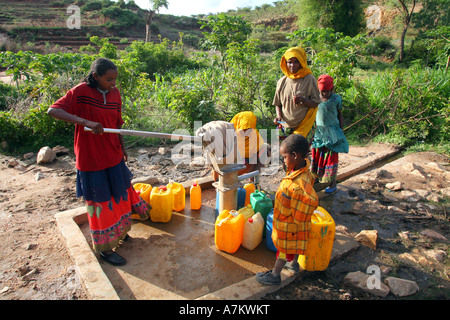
324	164
110	201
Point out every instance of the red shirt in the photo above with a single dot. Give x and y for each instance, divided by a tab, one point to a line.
93	151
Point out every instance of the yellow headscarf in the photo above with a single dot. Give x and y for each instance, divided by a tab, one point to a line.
300	54
242	121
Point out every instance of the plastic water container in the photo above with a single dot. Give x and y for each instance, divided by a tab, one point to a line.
144	191
161	200
249	189
247	211
320	242
216	209
229	230
269	229
179	196
196	196
253	232
261	203
241	194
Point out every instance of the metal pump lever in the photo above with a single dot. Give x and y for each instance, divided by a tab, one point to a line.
149	134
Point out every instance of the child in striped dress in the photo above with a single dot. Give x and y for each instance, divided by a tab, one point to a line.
329	139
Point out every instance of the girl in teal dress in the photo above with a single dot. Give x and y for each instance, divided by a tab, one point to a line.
329	139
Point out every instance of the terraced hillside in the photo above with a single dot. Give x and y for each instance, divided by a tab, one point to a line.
45	22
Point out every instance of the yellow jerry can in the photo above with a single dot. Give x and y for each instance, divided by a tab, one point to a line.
229	230
320	242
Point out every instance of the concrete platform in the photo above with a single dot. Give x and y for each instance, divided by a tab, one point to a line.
174	260
179	260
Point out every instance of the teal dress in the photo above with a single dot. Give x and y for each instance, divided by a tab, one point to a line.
328	132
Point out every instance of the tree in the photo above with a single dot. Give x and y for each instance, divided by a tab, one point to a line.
344	16
155	5
433	13
407	15
223	30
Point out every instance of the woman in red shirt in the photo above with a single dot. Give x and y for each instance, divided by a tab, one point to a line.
103	179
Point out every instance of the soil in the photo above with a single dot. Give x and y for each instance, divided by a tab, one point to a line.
35	265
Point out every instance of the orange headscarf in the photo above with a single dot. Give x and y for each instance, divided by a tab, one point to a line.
300	54
249	142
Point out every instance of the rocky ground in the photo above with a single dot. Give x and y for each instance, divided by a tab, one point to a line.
403	205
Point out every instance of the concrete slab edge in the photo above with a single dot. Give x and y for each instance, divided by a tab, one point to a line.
360	166
93	279
251	289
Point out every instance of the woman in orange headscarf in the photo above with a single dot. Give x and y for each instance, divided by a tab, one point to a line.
251	146
296	96
250	143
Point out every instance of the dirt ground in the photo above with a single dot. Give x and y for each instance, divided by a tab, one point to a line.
35	265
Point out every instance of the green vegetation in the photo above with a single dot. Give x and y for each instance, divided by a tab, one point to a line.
169	85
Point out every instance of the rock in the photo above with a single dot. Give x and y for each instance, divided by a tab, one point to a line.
153	181
60	150
28	155
422	193
395	209
368	238
45	155
418	174
382	173
342	229
180	159
435	167
13	163
394	186
28	275
39	175
446	192
163	150
430	206
432	234
410	196
414	169
409	167
416	258
385	270
436	254
434	197
29	246
369	181
368	206
404	235
197	162
401	287
360	280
